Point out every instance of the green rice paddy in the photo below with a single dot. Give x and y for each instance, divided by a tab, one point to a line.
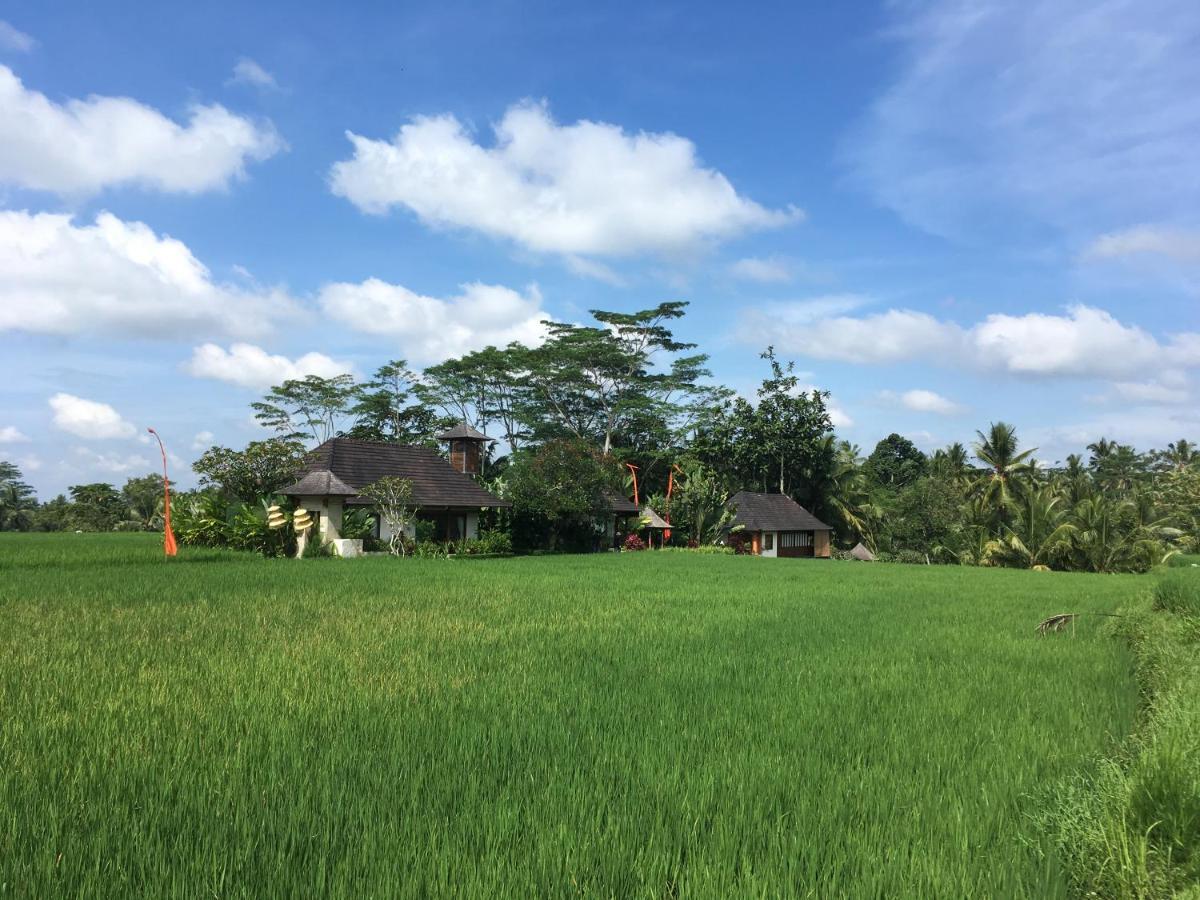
635	725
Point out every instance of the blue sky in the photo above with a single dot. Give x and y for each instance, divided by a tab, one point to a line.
947	213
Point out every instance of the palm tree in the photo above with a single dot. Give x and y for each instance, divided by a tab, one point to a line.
1038	534
1108	537
953	462
1009	468
1181	454
1076	480
841	491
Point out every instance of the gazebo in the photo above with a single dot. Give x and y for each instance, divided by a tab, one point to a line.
652	522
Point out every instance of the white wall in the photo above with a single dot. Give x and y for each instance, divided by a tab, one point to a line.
330	527
774	551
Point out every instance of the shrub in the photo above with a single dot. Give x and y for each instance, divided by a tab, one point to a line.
740	543
495	542
910	557
430	550
633	543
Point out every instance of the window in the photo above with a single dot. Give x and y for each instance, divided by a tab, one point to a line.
794	539
768	540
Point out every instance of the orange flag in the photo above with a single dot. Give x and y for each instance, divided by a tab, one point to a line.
169	545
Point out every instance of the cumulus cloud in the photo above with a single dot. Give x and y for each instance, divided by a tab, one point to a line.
583	189
60	278
83	146
10	435
1155	392
88	418
1175	243
769	270
250	366
202	441
1069	113
13	39
430	329
247	71
1085	342
919	400
893	336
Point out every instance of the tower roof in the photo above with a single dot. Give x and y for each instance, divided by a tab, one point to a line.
463	431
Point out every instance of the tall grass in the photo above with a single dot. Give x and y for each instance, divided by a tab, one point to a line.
637	725
1130	826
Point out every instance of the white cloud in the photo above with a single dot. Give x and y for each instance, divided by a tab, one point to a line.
113	463
1085	343
13	39
29	463
430	329
247	71
583	189
920	400
83	146
253	367
60	278
1152	392
1067	113
89	419
589	268
10	435
202	441
838	417
770	270
1175	243
892	336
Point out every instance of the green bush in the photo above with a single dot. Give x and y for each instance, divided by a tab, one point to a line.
430	550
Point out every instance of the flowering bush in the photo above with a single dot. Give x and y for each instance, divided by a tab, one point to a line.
633	542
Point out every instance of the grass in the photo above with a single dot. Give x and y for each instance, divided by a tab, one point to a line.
632	725
1129	827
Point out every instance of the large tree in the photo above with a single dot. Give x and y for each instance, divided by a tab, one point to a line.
97	507
144	497
895	462
311	408
564	487
259	470
17	501
383	410
591	382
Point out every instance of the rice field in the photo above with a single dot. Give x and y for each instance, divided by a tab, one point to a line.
634	725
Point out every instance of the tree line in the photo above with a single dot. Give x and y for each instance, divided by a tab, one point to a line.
595	406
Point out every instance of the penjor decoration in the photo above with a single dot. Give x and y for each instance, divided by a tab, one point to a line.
170	548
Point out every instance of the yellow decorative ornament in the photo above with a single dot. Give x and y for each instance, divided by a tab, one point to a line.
301	520
275	518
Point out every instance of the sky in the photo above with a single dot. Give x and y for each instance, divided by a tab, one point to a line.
946	213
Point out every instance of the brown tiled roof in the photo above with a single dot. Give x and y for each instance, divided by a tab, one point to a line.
772	512
356	464
463	430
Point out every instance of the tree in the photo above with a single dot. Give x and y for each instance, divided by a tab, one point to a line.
143	496
895	462
1179	455
952	463
259	470
53	515
590	382
927	514
485	387
563	489
699	504
1010	470
96	507
773	444
1038	534
841	496
393	498
17	501
308	408
382	411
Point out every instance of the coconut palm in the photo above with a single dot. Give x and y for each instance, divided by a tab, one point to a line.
953	463
1075	479
1108	538
1179	455
843	499
1037	535
1010	468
